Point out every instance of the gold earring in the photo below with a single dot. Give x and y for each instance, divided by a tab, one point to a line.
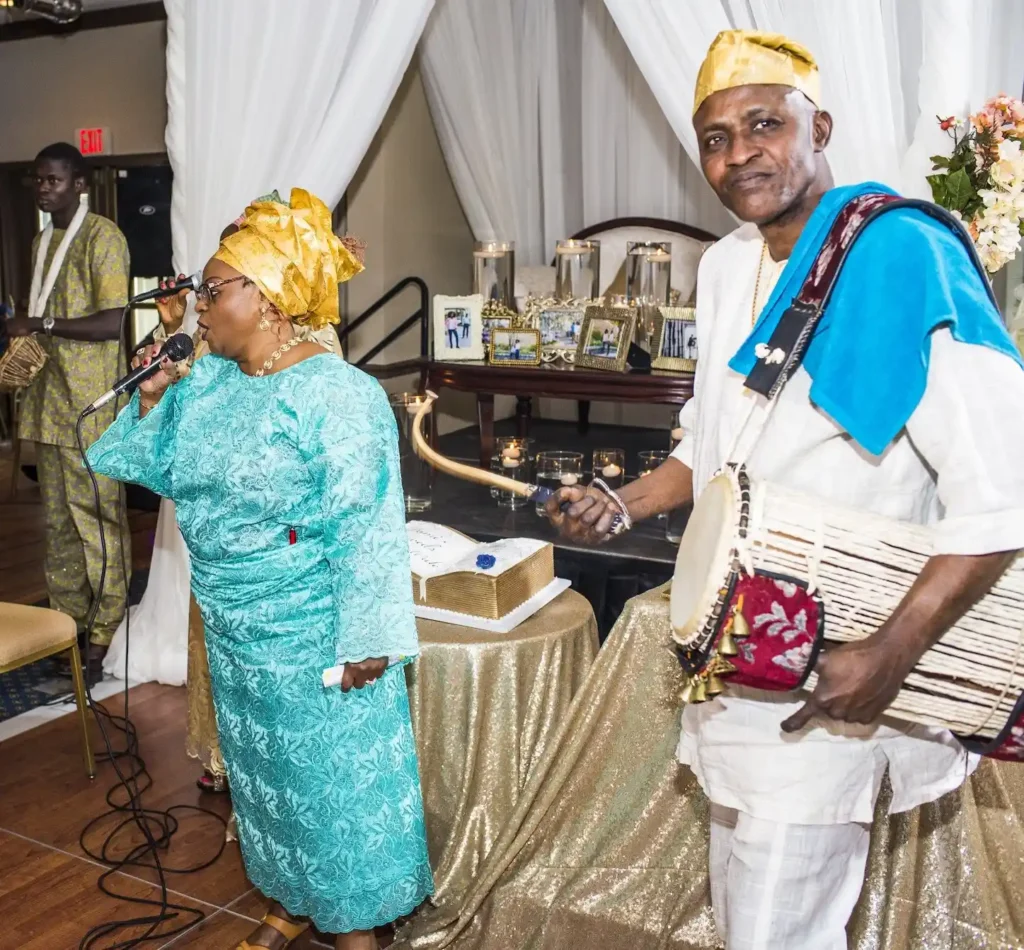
264	322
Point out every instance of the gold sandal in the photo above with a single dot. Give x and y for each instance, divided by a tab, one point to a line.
287	930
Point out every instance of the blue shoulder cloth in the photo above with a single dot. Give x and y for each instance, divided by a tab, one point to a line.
906	275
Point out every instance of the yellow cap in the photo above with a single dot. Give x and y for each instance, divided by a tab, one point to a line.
749	58
290	251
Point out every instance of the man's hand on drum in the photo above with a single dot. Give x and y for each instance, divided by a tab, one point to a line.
588	518
21	326
857	682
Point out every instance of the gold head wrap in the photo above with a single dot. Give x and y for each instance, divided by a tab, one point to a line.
750	58
290	251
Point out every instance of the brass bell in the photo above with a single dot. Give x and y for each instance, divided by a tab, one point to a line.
726	645
686	693
715	685
700	692
739	625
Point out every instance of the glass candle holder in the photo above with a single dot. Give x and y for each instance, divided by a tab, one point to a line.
558	470
494	271
577	270
417	475
675	432
610	466
675	523
648	284
649	272
650	460
512	458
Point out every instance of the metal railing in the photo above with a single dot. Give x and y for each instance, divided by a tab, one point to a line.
422	316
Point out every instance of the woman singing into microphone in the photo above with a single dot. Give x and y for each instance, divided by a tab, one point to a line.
282	461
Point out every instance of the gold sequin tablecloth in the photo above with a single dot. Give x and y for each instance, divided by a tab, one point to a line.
608	845
485	708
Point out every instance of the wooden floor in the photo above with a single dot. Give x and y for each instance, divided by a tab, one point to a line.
48	892
48	887
21	539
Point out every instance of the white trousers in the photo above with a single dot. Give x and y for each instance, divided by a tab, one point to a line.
784	887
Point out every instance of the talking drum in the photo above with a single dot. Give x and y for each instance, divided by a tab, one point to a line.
764	575
21	359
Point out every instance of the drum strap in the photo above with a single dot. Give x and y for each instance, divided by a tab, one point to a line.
780	357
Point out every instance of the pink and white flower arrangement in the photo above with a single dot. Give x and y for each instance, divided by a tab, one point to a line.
982	181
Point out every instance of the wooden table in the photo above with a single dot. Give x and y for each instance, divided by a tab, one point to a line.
556	380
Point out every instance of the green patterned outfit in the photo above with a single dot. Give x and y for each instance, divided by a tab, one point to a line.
94	277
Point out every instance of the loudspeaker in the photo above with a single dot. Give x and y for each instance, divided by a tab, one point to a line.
144	216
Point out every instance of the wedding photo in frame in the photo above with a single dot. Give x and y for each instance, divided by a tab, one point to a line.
516	346
674	343
560	325
605	338
458	328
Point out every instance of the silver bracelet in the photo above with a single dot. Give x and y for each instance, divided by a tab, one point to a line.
624	522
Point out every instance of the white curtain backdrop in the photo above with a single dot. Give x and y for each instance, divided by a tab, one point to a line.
888	67
631	161
490	72
547	124
261	94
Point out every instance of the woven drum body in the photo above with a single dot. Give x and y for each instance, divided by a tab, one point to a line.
20	363
765	574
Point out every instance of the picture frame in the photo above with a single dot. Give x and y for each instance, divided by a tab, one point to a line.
560	323
605	338
515	346
458	328
489	322
674	342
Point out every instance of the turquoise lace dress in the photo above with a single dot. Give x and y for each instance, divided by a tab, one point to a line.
288	494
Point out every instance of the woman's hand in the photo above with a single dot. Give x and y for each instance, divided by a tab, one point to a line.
357	675
151	390
172	309
588	519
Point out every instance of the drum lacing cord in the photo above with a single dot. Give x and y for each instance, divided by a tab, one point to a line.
974	730
817	554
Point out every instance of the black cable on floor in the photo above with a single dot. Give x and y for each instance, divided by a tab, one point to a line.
124	799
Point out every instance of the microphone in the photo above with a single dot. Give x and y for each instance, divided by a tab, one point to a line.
178	347
189	283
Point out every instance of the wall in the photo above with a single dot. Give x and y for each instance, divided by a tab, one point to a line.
403	204
112	78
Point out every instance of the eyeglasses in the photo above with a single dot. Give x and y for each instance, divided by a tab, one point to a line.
207	292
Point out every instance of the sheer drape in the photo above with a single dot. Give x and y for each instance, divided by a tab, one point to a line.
490	75
632	162
547	124
261	94
887	67
264	95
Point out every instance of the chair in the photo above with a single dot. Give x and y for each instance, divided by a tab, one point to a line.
28	634
688	244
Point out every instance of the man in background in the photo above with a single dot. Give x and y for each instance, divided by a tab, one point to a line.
79	289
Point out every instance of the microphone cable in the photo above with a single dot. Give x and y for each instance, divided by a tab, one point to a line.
157	826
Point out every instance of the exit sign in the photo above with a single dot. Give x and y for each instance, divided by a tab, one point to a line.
93	141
